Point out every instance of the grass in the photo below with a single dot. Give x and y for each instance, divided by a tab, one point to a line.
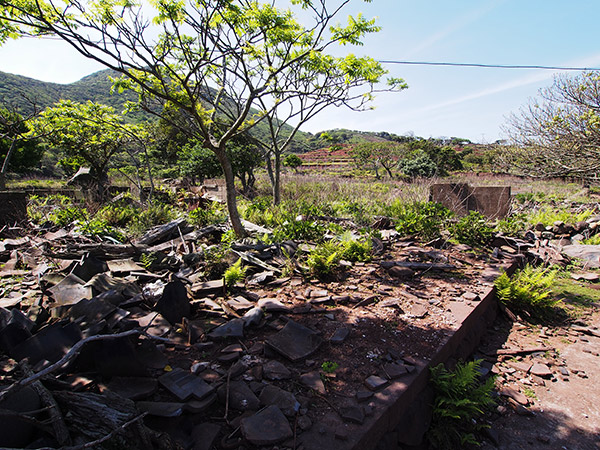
576	296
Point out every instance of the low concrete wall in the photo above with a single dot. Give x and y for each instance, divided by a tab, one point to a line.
491	201
13	207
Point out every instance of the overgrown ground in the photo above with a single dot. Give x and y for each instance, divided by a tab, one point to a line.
338	252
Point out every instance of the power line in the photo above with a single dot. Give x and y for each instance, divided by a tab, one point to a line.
487	66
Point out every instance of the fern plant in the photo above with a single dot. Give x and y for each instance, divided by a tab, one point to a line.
234	274
460	399
529	290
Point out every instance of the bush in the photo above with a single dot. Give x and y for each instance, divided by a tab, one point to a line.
513	225
418	166
213	214
324	259
528	291
459	400
472	230
422	219
58	209
155	214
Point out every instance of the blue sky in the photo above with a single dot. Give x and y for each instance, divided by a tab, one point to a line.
441	101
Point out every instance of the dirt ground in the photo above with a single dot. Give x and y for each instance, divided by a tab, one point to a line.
564	408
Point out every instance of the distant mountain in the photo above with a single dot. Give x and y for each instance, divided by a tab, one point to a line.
19	92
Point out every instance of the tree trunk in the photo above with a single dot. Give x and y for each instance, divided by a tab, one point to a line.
270	169
234	215
277	181
7	158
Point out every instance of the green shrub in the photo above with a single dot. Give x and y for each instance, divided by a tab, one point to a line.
324	259
513	225
155	214
99	227
234	274
356	251
117	215
422	219
58	209
459	400
213	214
302	229
472	229
419	165
528	291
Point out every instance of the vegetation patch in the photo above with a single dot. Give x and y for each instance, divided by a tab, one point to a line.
460	399
529	292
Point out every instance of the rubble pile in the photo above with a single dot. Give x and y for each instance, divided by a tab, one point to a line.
136	345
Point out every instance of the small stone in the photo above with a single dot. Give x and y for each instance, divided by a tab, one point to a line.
295	341
304	423
363	396
274	370
402	273
272	305
394	371
267	427
375	383
241	397
253	317
313	381
471	296
284	400
353	414
541	370
339	336
515	395
341	434
232	329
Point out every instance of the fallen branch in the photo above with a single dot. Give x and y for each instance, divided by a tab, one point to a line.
64	360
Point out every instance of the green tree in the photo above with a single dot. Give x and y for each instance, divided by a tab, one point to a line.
558	134
386	155
214	59
18	151
86	134
292	160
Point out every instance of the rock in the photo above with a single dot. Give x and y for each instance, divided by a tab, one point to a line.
363	396
394	371
50	343
205	435
133	388
274	370
232	329
402	273
353	414
375	383
241	397
183	385
200	406
284	400
253	317
272	305
541	370
313	381
304	423
471	296
70	290
339	336
239	303
267	427
174	303
295	341
589	253
515	395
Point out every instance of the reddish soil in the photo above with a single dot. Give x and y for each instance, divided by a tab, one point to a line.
564	409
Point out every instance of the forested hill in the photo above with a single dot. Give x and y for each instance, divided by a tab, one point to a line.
20	92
